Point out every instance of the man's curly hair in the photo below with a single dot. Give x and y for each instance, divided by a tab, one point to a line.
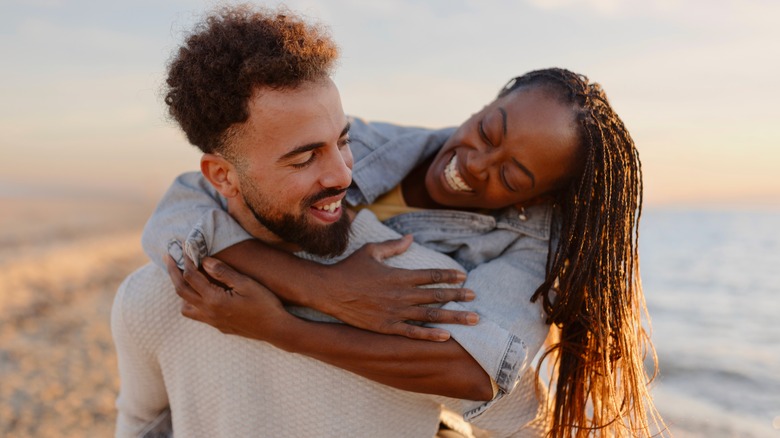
229	55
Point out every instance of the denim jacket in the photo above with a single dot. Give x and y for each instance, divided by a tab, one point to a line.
505	252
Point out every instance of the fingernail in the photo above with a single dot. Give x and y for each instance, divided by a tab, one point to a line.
461	276
472	318
208	263
442	336
470	295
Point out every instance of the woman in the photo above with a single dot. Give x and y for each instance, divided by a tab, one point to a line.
552	141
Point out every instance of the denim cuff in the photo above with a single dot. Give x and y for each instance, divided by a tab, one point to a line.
500	353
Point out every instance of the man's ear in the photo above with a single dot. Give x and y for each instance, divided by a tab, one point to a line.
221	174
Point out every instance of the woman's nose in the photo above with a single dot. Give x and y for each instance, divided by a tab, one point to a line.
478	164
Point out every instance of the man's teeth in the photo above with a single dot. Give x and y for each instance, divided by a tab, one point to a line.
453	177
330	207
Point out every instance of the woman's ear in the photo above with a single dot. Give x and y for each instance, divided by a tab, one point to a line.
221	174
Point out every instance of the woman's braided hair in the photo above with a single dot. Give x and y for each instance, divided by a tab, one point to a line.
592	291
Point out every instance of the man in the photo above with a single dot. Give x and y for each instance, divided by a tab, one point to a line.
252	90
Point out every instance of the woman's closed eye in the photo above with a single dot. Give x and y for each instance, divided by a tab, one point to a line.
505	179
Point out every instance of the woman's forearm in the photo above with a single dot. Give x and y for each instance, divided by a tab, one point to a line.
360	290
252	311
275	269
442	368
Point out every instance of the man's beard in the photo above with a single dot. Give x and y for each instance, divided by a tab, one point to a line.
322	240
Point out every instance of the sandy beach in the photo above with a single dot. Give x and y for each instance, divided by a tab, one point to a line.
61	261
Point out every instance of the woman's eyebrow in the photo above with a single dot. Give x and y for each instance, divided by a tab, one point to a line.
517	163
503	119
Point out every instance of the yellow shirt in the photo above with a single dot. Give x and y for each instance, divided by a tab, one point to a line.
390	204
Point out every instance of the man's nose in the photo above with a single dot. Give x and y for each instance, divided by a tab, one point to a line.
338	172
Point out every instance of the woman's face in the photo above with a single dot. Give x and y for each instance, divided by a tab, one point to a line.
519	147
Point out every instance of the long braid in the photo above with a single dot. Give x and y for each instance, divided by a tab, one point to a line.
592	290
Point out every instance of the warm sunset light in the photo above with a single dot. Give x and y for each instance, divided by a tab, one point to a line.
693	80
87	150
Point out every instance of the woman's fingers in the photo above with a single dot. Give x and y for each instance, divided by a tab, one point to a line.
389	248
192	312
441	295
197	280
225	274
422	333
441	316
422	277
182	287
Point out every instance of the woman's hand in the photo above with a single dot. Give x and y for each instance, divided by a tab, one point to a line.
241	307
364	292
360	290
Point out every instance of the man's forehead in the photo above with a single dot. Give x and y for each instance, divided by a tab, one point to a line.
291	118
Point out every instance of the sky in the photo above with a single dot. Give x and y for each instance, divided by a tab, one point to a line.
696	83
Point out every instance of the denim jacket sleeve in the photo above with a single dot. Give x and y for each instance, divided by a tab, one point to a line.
194	214
385	153
511	329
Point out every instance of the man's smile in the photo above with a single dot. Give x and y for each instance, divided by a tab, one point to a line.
333	206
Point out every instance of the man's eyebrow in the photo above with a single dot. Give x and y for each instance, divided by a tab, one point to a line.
311	146
525	171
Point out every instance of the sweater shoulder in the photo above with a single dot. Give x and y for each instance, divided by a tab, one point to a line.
146	303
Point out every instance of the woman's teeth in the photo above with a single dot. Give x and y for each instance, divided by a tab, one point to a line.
329	207
454	180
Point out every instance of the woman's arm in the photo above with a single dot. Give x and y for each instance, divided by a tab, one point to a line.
377	297
247	309
193	213
360	291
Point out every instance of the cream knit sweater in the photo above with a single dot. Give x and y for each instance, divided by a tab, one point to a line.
218	385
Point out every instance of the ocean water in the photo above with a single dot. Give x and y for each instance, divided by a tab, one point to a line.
712	283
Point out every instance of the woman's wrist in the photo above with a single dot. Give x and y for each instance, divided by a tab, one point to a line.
286	331
318	288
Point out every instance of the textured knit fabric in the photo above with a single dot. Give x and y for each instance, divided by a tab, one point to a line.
217	385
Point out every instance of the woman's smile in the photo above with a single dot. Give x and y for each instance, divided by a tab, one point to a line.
453	177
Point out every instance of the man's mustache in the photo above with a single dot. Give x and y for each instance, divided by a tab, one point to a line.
327	193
